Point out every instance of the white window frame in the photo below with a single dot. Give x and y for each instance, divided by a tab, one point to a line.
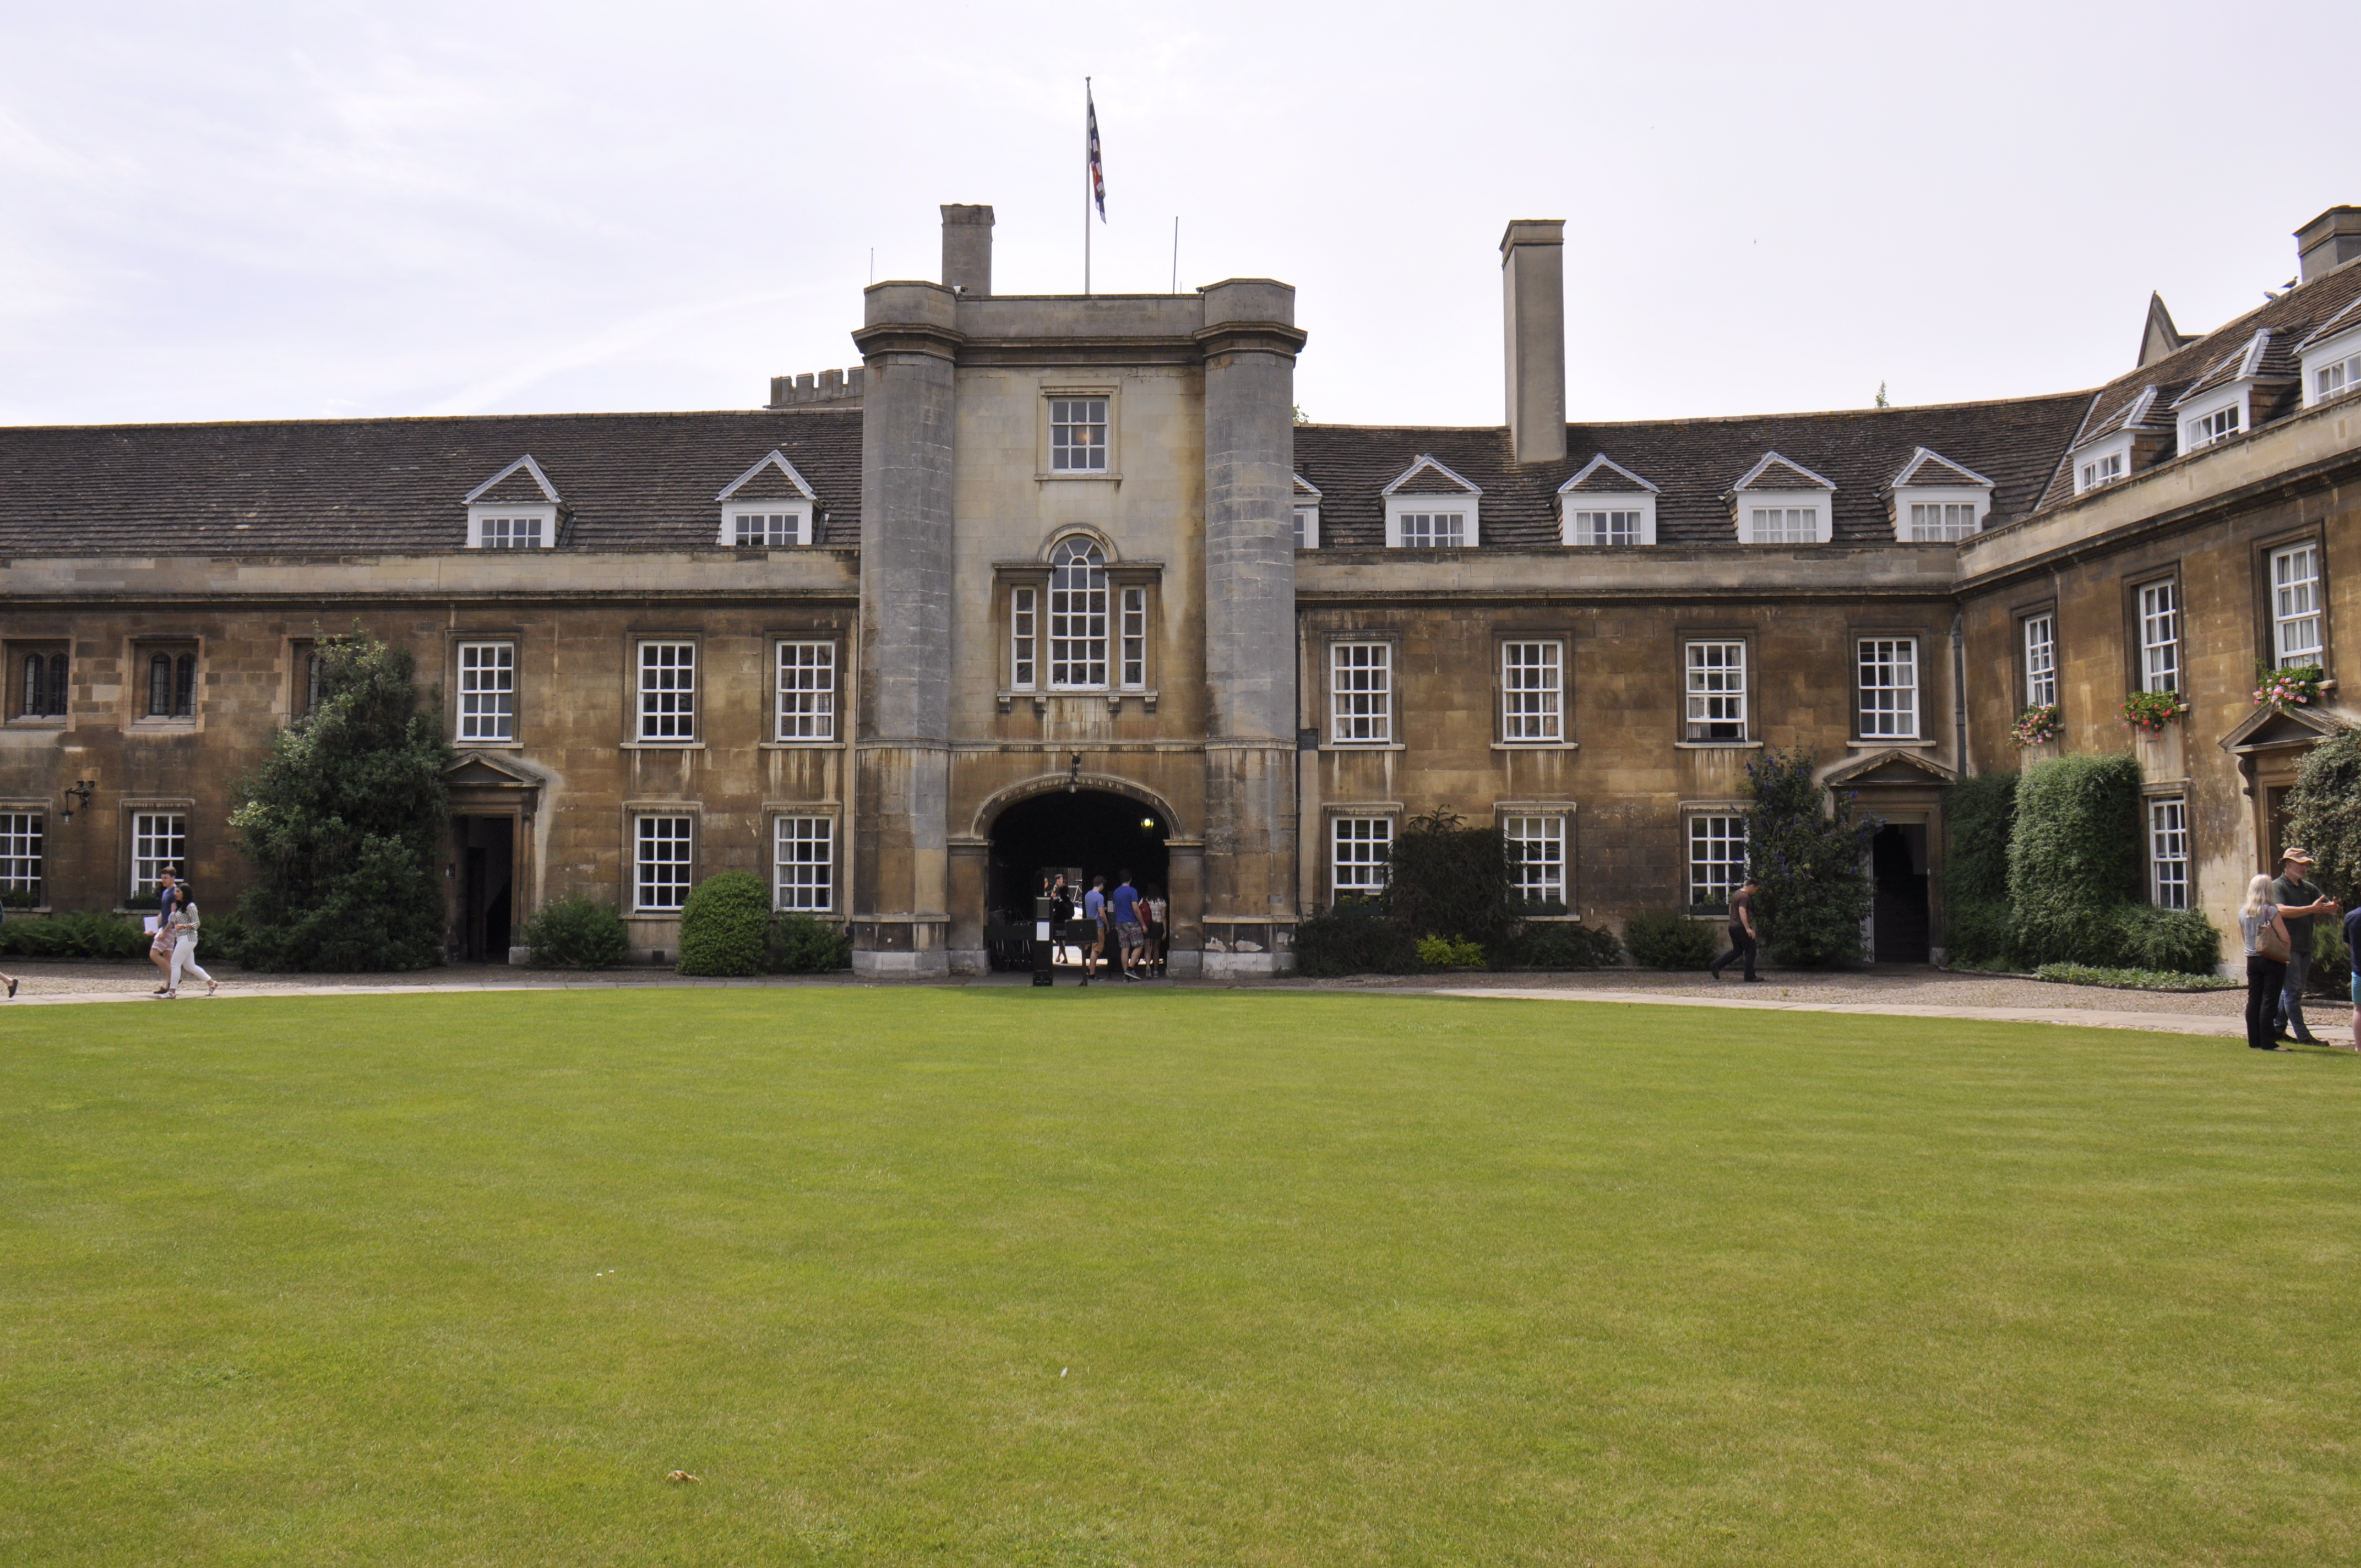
1897	718
1090	456
803	689
1449	517
1714	690
24	856
2039	633
1131	610
1595	521
1931	515
159	838
1359	848
1360	694
1721	835
1536	879
2107	462
487	704
483	515
1307	528
2332	370
1533	691
2168	852
665	710
1079	616
2297	601
1816	503
1024	637
2160	635
803	864
793	529
2214	419
662	839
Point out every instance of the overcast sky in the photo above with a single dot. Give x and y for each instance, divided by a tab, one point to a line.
259	210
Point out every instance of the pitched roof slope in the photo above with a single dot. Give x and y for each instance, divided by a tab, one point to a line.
2236	348
1692	462
630	481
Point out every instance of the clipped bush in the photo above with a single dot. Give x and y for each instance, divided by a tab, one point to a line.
2332	966
576	933
1566	944
2133	979
1670	939
85	934
1355	937
2074	857
2175	941
1449	952
1446	879
1979	933
804	944
2324	816
1815	890
725	926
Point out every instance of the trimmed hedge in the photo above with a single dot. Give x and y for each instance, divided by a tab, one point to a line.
576	933
85	934
725	926
2074	857
1449	952
1567	944
2134	978
1670	939
803	944
1355	937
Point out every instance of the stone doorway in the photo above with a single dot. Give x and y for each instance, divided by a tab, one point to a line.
1899	927
1087	833
486	849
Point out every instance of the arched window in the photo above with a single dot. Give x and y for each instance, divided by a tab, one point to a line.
1078	615
37	686
57	686
184	687
160	686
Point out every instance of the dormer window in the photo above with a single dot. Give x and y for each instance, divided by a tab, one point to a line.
1428	507
2103	465
2221	402
1779	502
768	507
1307	514
516	509
2211	426
1604	504
1933	499
2332	357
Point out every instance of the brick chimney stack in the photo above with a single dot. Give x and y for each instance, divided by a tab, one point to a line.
2328	242
967	249
1532	282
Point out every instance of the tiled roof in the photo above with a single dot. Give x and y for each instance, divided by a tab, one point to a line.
2214	358
1926	467
1305	490
1692	462
1603	474
629	480
1773	472
1427	477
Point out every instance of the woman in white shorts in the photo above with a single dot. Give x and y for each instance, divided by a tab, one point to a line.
183	931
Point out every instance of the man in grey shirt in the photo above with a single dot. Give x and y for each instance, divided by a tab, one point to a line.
2299	900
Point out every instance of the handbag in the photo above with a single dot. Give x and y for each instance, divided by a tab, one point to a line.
2269	945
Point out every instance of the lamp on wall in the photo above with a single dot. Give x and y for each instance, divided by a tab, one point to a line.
79	792
1074	774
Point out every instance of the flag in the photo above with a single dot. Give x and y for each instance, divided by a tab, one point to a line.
1097	171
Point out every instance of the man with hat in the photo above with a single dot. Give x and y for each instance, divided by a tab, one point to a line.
2299	900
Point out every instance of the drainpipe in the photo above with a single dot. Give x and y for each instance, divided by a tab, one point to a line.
1959	690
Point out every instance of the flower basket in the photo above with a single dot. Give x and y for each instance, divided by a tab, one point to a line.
2036	727
2152	713
2290	687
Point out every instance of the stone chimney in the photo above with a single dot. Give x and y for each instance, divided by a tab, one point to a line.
1532	282
967	249
2328	242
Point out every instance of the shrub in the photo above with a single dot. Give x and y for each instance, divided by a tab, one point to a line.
1815	890
576	933
803	944
1566	944
2133	979
2332	966
2074	857
2324	814
1979	932
85	934
1449	952
1446	879
1670	939
725	926
1355	937
2177	941
345	824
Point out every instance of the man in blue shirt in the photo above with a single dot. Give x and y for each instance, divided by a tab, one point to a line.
1130	936
1094	911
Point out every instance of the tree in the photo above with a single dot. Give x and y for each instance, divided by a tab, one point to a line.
2324	813
1813	866
344	822
1446	879
2074	855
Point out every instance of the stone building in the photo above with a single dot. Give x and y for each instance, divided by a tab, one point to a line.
1056	581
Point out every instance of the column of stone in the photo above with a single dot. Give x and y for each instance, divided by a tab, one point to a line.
1250	341
902	741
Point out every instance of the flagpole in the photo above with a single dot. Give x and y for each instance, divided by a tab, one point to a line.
1086	187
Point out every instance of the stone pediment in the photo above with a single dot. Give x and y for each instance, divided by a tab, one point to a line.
1892	766
491	771
2271	728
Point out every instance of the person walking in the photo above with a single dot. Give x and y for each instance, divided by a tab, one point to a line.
185	945
1094	911
2298	901
2266	954
1158	934
1130	936
1742	937
159	947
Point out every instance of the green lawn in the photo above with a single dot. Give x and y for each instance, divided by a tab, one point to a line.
997	1277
